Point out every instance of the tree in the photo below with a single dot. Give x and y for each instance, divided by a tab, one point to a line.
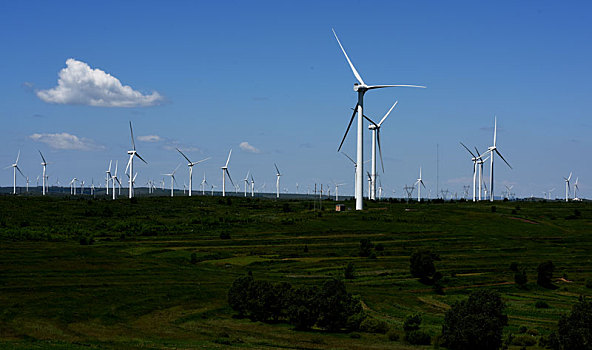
422	264
520	278
365	247
303	309
238	294
575	330
545	274
349	271
335	305
475	323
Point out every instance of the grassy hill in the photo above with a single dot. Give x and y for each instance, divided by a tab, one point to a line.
135	286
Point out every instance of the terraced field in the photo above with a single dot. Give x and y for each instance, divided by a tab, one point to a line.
135	286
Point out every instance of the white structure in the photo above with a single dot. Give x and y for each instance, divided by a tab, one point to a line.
576	188
567	187
190	165
15	168
337	190
114	179
277	182
44	164
246	181
130	163
361	89
491	150
224	173
419	183
375	128
109	176
203	185
172	175
474	159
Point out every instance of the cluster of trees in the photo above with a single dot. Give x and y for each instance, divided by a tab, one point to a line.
329	306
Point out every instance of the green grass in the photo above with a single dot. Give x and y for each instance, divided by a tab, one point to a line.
136	288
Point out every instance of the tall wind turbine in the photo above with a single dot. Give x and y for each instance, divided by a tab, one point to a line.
252	186
190	165
44	164
375	128
575	191
203	185
172	175
419	183
224	173
114	179
491	150
109	177
474	159
361	89
277	182
15	167
567	187
130	163
246	181
480	161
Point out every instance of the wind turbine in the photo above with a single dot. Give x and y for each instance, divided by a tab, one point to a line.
252	186
418	183
361	89
480	161
73	186
92	186
172	175
375	128
567	187
109	176
575	187
474	159
337	189
491	150
14	169
549	193
114	178
277	182
224	173
190	165
130	163
44	163
246	181
203	185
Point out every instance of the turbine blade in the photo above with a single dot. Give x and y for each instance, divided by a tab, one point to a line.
398	85
348	60
348	157
467	148
348	126
494	130
200	161
230	178
18	156
132	133
379	148
183	154
276	169
423	184
19	170
127	166
137	155
569	178
502	157
41	154
228	160
387	114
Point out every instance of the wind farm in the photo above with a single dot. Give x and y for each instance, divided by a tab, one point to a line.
453	214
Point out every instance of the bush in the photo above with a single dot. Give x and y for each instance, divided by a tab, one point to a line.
412	323
193	258
365	247
225	235
575	330
349	271
303	312
372	325
524	340
335	305
550	342
545	274
418	337
392	335
589	284
493	208
541	305
475	323
514	266
520	278
421	264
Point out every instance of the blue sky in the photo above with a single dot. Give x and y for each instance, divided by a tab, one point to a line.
271	74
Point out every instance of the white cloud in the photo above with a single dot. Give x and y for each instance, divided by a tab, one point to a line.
66	141
79	84
245	146
150	138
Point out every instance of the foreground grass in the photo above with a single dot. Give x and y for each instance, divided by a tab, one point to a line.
136	288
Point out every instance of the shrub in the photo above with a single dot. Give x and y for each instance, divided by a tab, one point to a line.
589	283
225	235
238	294
550	342
520	278
306	248
575	330
303	311
335	305
524	340
193	258
545	274
365	247
349	271
412	323
475	323
418	337
514	266
421	264
493	208
379	247
392	335
372	325
541	305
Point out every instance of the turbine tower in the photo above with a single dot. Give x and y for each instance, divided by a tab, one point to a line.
491	151
277	182
15	167
246	181
130	163
575	190
252	186
114	179
567	187
419	183
361	89
109	177
375	128
172	175
224	173
44	164
203	185
190	165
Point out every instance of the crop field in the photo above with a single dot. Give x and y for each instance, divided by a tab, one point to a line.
94	273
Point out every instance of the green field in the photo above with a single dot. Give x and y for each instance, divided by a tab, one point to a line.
135	286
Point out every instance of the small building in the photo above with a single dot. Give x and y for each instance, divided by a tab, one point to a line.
340	207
